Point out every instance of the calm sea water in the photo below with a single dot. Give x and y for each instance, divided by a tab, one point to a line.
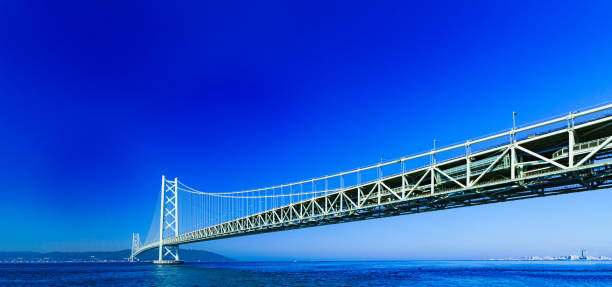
386	273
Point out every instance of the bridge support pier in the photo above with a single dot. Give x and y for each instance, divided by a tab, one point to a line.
170	252
167	262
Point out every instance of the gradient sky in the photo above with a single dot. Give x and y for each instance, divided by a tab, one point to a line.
99	99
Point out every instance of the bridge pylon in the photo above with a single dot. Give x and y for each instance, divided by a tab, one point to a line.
168	221
135	246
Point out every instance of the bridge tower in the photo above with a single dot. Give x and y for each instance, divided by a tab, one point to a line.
168	221
135	245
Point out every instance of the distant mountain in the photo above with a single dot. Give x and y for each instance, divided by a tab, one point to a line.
188	255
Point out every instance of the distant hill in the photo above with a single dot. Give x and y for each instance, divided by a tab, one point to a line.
188	255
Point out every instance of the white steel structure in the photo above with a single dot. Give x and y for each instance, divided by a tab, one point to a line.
566	154
168	221
135	245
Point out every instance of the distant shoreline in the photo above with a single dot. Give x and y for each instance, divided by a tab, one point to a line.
557	260
189	255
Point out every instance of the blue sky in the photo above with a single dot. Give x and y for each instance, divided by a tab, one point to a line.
101	98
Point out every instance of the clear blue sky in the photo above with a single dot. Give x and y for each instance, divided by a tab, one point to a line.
101	98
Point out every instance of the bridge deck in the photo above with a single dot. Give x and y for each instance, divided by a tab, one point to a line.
539	165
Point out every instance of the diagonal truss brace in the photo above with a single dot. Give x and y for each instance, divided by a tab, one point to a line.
449	177
418	182
593	152
490	166
541	157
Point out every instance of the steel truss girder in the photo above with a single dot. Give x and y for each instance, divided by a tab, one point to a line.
235	228
379	199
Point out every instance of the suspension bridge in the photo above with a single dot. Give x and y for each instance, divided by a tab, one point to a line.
566	154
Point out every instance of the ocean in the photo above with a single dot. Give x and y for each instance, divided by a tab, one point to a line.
332	273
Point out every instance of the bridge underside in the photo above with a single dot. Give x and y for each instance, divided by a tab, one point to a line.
568	160
553	184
